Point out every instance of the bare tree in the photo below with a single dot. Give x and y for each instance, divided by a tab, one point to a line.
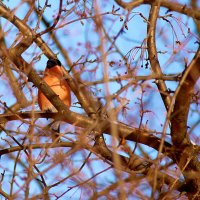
132	131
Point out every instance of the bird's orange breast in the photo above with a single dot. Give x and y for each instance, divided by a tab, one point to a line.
54	78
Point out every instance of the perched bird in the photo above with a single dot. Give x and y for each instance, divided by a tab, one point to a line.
54	77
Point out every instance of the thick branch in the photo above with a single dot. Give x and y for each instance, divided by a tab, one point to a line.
177	7
152	51
182	102
179	118
138	165
130	133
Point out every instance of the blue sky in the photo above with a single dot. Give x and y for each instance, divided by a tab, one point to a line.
75	35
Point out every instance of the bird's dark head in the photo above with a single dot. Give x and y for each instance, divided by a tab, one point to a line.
52	63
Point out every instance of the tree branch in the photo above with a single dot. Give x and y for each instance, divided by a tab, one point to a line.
179	118
49	29
152	51
143	136
176	7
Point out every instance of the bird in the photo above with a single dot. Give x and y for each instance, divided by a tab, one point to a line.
54	77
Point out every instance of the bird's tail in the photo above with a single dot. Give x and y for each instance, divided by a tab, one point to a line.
55	127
